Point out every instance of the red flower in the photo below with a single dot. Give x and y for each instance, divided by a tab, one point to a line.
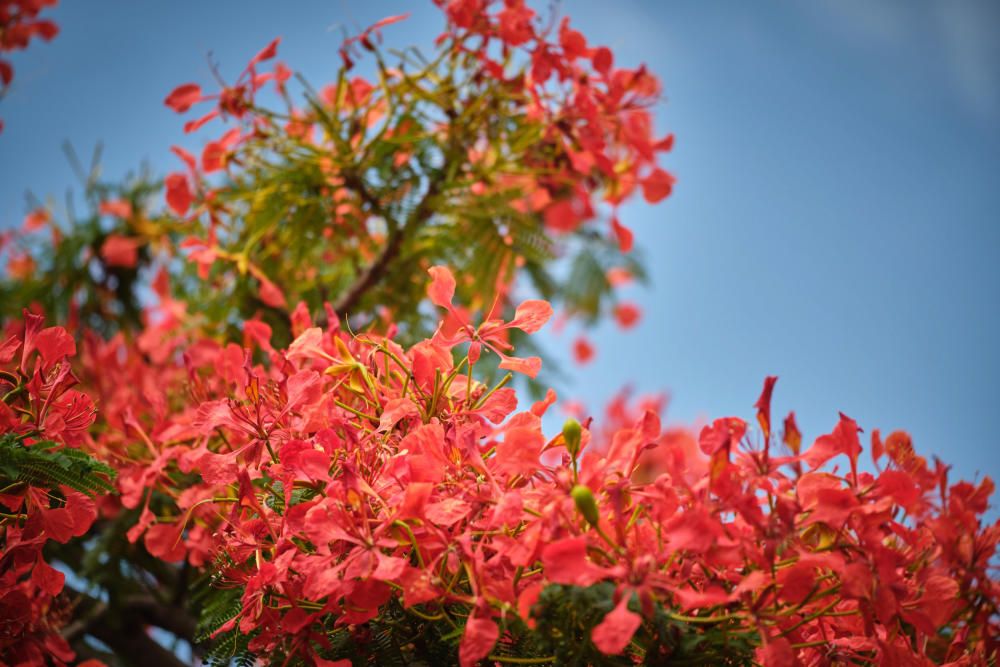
763	406
36	220
179	195
843	440
514	26
565	562
627	314
118	250
529	317
583	351
657	186
480	636
623	234
184	97
615	631
117	207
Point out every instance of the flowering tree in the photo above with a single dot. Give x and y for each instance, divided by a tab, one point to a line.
278	419
20	24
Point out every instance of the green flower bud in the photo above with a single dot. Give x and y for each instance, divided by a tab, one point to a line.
571	435
585	504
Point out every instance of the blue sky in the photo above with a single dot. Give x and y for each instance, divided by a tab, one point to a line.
835	220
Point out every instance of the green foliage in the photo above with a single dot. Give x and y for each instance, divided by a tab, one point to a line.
276	500
70	279
566	615
45	464
216	607
355	226
397	638
585	289
231	648
432	163
564	618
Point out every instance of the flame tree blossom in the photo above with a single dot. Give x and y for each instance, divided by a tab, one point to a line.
311	443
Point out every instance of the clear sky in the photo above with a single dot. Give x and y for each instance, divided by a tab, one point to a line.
836	220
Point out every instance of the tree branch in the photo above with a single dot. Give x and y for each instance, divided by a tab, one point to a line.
123	628
172	619
135	647
372	275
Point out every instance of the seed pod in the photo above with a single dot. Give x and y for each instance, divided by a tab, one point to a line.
571	435
585	504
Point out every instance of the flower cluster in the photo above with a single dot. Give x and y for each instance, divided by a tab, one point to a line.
398	162
40	413
345	476
310	420
597	120
403	478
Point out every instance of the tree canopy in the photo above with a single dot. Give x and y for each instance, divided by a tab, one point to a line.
287	410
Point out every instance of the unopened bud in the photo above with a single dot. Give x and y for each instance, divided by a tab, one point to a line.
571	436
585	504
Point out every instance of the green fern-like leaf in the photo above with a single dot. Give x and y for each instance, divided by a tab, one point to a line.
231	648
246	659
45	464
217	607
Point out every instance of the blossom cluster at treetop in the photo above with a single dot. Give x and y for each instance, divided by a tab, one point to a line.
285	407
